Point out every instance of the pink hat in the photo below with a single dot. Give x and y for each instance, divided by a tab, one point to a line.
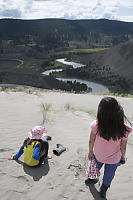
38	132
92	170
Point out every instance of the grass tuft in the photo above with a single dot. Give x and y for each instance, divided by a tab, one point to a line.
45	108
68	107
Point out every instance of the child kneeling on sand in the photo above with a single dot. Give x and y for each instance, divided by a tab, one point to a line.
35	147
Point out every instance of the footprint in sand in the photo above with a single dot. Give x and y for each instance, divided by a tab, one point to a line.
4	150
22	183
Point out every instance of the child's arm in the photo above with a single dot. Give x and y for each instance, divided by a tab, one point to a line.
91	145
16	157
123	149
37	152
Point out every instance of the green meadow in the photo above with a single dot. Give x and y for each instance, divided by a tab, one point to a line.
78	51
8	65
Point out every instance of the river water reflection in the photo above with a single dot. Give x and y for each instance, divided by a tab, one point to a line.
96	88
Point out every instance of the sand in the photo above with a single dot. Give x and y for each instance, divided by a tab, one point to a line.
63	176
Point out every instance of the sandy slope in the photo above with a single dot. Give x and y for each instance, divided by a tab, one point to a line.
118	58
62	177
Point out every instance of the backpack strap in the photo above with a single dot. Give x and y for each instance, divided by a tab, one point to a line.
36	142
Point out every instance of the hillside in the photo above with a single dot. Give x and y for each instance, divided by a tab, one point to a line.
59	33
118	59
38	43
111	67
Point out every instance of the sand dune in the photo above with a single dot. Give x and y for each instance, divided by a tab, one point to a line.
67	122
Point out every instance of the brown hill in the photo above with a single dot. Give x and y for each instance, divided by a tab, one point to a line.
34	80
119	59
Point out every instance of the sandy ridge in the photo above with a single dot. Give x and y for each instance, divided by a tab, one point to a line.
62	177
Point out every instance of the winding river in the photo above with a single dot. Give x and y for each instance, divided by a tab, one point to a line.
96	88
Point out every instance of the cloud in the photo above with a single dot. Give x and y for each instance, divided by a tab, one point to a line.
108	15
42	0
68	9
14	13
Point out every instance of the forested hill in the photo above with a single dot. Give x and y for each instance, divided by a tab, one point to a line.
60	33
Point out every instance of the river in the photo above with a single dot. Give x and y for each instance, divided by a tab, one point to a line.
96	88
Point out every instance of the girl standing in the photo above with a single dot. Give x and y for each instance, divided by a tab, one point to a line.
108	139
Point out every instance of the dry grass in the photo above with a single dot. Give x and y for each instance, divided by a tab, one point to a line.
68	106
90	112
21	89
45	109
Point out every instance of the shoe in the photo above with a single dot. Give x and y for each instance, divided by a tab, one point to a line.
48	138
59	150
91	181
103	191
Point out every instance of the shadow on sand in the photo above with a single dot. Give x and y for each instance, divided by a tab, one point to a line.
36	172
94	192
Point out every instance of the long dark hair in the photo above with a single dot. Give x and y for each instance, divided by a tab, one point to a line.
111	119
28	141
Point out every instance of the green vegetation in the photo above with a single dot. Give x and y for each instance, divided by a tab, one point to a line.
59	34
53	65
79	51
102	75
40	42
76	86
30	65
8	65
115	83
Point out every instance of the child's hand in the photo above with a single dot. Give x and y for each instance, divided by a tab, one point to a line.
122	161
11	158
90	155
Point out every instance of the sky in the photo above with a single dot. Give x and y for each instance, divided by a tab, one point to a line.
67	9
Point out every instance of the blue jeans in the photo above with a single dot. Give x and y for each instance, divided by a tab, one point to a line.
109	171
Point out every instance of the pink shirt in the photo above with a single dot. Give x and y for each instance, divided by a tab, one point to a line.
107	151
